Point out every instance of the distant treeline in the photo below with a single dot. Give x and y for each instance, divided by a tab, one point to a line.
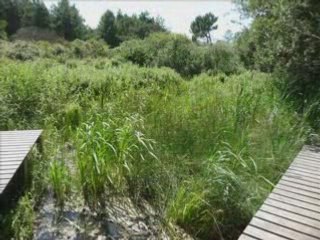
65	20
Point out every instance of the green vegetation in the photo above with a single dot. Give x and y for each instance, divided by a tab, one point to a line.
204	152
200	131
202	26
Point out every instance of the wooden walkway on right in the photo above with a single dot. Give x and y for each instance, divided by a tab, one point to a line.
292	210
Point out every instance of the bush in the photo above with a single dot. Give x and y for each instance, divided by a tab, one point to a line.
36	34
203	151
179	53
23	51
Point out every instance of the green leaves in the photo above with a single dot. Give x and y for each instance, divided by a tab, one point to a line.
202	26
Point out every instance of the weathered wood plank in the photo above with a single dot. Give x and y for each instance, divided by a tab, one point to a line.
301	173
280	230
304	166
310	155
291	215
297	196
300	181
300	185
299	191
247	237
309	158
288	223
5	175
262	234
312	171
294	202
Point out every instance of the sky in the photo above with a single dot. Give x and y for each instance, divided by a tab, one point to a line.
177	14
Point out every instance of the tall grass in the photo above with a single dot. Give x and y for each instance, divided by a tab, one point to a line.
204	152
108	150
59	177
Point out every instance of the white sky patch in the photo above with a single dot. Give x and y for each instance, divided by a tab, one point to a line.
177	15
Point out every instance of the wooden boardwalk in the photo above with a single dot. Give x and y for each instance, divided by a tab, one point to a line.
14	147
292	210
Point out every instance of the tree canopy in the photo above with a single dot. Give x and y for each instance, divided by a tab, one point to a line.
67	21
115	29
284	37
107	29
202	27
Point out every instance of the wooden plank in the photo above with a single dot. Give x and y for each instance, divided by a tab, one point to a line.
262	234
8	167
293	205
10	163
21	137
300	177
12	153
291	215
297	196
247	237
304	166
7	171
16	143
5	175
20	133
24	139
288	223
312	171
300	173
4	182
280	230
298	186
301	182
18	156
309	158
14	148
307	161
309	154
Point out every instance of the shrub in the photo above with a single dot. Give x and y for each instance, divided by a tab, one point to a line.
59	178
23	51
179	53
23	219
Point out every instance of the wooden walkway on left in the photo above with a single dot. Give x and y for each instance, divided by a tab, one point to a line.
14	148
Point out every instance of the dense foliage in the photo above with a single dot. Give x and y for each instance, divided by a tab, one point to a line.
204	152
200	131
116	29
67	21
202	26
178	52
291	43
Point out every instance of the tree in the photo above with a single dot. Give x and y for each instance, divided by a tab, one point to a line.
67	21
107	29
122	27
10	12
202	26
41	15
23	13
284	37
3	25
137	27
